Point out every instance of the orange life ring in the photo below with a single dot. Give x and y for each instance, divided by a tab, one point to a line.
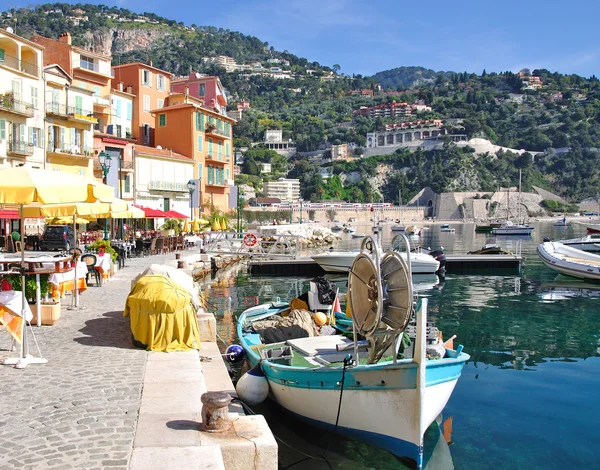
250	239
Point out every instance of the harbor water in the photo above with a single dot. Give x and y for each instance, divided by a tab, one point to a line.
528	397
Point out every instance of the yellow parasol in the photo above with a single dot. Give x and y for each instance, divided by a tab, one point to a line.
186	227
21	186
65	220
223	223
216	226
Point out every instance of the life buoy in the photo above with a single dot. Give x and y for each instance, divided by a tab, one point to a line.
256	300
250	239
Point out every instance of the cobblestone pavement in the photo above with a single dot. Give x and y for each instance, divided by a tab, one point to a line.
80	409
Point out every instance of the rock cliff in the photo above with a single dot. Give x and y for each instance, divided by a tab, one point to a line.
111	41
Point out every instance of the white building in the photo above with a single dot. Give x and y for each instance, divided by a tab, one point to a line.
122	113
161	178
21	102
274	141
287	190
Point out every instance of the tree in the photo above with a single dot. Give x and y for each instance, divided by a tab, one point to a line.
336	68
331	213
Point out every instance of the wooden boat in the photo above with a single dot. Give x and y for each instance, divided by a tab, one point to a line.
569	261
355	387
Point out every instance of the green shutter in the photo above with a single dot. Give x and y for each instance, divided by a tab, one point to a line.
202	122
2	55
210	147
200	138
78	104
227	150
2	124
129	110
162	120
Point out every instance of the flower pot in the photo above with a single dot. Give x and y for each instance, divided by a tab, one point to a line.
50	313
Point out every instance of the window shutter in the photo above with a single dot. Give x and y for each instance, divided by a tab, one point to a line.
2	128
200	175
78	104
129	110
118	108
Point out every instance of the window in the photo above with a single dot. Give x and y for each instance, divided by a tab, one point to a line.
200	142
162	120
161	103
220	149
160	83
210	147
146	78
201	89
146	133
34	97
2	129
78	105
202	122
128	132
96	89
118	111
146	103
16	89
129	110
198	120
118	130
227	151
227	174
86	63
35	137
127	188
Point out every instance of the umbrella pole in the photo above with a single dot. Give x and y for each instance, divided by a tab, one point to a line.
76	290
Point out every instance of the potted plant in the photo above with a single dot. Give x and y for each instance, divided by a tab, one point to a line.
171	227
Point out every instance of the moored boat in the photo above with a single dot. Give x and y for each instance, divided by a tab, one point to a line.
569	261
508	228
593	228
490	249
486	228
337	228
398	228
562	223
587	243
447	228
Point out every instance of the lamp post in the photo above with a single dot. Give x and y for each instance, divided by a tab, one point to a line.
105	161
239	211
191	185
301	202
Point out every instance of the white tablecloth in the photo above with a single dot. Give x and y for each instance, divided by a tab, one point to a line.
193	240
58	278
103	262
12	300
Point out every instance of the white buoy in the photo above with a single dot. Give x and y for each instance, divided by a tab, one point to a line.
253	386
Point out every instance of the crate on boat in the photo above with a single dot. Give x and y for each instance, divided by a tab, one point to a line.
283	355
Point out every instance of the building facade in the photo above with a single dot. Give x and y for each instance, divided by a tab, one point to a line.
21	102
205	88
391	110
274	141
287	190
187	127
161	179
406	134
150	87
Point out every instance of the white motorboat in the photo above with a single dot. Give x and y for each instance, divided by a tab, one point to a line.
340	262
447	228
398	228
508	228
570	261
587	243
349	229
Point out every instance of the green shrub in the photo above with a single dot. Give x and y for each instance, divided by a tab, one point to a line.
96	246
15	282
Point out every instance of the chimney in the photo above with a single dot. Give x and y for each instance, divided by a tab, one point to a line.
129	89
120	86
65	38
187	90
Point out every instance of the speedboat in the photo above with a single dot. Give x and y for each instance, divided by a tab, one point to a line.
447	228
365	389
490	249
569	261
587	243
508	228
340	261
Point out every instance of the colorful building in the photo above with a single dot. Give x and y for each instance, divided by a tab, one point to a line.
150	87
189	128
207	89
21	102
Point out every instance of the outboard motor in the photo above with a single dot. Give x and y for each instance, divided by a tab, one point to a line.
546	239
440	256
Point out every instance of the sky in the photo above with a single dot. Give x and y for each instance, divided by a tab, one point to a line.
365	37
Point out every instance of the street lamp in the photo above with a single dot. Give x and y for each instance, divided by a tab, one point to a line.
105	161
301	201
191	185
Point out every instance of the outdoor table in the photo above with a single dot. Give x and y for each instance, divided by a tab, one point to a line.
193	240
62	282
11	304
103	265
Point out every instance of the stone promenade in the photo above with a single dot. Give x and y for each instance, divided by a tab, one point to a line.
80	409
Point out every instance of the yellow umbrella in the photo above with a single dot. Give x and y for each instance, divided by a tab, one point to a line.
186	227
65	220
223	223
216	225
202	222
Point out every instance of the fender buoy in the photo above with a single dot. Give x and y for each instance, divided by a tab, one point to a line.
256	300
250	239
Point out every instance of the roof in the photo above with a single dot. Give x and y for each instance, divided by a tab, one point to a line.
62	71
141	64
156	152
22	39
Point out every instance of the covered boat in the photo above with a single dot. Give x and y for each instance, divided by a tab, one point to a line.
362	389
587	243
490	249
569	261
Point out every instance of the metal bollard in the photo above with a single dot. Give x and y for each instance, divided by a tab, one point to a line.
177	255
180	264
215	416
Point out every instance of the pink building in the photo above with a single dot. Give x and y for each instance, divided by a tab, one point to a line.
208	89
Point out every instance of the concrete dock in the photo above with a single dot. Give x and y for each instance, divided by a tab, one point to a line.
101	403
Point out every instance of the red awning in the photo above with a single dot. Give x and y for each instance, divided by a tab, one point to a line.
153	213
176	215
9	214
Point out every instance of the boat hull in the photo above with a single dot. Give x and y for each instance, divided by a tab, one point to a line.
562	259
589	243
341	262
512	230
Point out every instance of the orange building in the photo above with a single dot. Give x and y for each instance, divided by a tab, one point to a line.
186	126
151	87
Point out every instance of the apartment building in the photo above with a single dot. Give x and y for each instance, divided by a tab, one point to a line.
21	102
391	110
286	190
206	88
150	87
189	128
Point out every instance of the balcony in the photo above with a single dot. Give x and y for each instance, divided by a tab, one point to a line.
19	148
216	183
167	186
9	104
81	115
94	67
56	109
20	65
64	149
211	130
216	159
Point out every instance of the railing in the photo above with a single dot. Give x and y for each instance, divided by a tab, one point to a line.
21	65
10	104
215	131
70	149
19	147
267	246
81	114
94	67
53	107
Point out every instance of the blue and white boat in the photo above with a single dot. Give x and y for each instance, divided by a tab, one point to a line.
361	389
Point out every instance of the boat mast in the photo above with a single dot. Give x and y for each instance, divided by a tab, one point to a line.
519	204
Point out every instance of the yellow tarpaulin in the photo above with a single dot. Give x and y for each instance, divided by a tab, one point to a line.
162	316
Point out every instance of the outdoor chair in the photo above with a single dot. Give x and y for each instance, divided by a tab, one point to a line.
120	255
147	246
180	243
139	247
90	262
160	245
76	253
153	249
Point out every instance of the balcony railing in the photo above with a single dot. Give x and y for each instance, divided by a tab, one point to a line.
81	114
213	130
70	149
10	104
56	108
20	147
20	65
94	67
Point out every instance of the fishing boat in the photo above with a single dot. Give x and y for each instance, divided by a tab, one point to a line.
587	243
569	261
490	249
447	228
486	228
360	389
562	223
340	261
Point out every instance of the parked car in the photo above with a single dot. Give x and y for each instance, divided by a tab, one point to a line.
57	237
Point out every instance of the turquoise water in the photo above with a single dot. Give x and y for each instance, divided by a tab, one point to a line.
528	398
